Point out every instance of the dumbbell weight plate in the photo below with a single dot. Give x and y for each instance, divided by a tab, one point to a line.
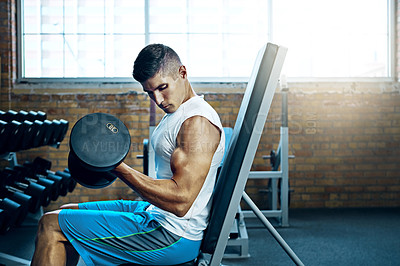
58	183
64	129
28	135
3	219
98	143
72	183
13	210
40	194
39	130
51	185
66	177
9	116
56	131
4	133
88	178
48	132
25	201
14	138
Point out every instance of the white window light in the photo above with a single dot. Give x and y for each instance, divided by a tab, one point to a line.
217	40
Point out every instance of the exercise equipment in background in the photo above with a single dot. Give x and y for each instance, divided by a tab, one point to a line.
32	186
26	188
25	130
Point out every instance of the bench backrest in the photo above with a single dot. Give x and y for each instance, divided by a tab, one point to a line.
246	135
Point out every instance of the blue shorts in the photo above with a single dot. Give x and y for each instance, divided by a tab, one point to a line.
117	232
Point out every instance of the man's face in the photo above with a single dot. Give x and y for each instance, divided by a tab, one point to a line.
166	91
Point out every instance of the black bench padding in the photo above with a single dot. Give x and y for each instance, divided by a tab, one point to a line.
244	126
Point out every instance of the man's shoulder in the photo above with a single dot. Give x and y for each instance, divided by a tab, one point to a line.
199	103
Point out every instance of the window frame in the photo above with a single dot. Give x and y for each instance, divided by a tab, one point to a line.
223	81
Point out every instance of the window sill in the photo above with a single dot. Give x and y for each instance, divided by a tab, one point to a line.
311	86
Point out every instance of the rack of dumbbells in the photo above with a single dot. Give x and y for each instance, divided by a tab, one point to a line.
26	188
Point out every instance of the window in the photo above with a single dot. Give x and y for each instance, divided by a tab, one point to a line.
92	38
335	38
216	39
80	38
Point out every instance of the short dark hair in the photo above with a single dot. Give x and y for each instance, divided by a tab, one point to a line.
155	58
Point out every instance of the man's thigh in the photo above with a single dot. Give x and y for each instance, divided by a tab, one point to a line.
111	237
115	205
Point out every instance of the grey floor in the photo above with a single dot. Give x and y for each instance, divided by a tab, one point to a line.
318	237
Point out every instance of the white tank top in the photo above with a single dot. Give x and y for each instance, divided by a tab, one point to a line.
163	140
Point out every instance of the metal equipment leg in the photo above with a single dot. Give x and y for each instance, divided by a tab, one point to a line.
271	229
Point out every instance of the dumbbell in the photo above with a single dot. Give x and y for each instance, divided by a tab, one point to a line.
99	142
22	115
30	116
3	218
24	200
54	131
39	129
13	131
3	136
8	116
40	194
39	115
72	183
28	134
48	132
12	211
41	168
18	135
64	129
42	132
23	173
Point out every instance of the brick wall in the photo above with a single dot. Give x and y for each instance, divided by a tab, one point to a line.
345	137
132	109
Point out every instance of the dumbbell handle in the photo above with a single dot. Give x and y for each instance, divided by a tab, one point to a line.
50	184
35	205
39	192
14	189
64	180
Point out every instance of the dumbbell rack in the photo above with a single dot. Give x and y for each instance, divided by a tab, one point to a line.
27	185
33	216
25	130
11	157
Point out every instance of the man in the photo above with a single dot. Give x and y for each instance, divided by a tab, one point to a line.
166	228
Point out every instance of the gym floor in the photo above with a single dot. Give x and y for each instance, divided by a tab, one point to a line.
317	236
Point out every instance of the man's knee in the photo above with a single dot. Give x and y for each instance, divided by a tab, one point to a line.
70	206
48	224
